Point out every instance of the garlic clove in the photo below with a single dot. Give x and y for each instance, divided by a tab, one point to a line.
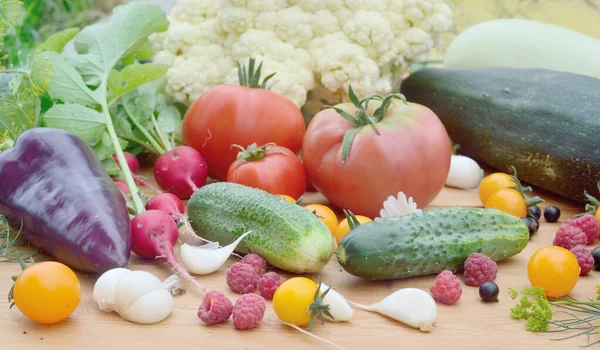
411	306
105	289
338	306
206	259
152	307
135	286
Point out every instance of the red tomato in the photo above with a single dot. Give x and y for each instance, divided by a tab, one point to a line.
271	168
309	185
411	154
227	115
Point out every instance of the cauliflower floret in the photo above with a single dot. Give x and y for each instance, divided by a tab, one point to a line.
193	11
372	31
236	20
340	63
419	44
323	23
289	80
370	5
194	74
291	25
183	35
316	47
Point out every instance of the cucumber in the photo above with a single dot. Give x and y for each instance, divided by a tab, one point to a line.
544	123
285	234
429	242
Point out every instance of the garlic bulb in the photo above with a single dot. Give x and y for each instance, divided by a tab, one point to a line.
137	296
464	173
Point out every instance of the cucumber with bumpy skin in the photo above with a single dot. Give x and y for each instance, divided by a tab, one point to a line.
429	242
285	234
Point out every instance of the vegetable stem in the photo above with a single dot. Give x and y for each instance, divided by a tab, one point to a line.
151	139
161	135
142	143
133	190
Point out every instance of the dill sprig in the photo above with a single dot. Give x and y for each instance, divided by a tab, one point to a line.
582	317
12	245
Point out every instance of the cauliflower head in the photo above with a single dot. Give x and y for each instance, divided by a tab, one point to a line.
317	48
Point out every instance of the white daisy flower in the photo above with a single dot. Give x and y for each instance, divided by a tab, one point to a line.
399	206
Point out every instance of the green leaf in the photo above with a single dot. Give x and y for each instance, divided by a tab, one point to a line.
66	84
105	149
17	115
141	105
142	51
347	143
57	41
169	117
84	122
133	76
101	46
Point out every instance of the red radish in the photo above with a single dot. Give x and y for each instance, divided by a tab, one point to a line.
122	185
181	171
153	234
172	205
169	203
134	166
132	161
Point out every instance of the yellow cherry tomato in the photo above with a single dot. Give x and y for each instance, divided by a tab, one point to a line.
325	214
492	184
555	269
47	292
509	201
597	214
343	227
288	198
292	299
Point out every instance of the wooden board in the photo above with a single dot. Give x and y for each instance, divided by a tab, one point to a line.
470	324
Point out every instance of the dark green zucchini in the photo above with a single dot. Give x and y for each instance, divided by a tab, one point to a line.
429	242
545	123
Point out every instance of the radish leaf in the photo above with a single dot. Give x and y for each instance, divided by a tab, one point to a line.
133	76
66	84
84	122
57	41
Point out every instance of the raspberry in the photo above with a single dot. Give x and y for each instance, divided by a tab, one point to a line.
479	268
446	289
584	258
588	224
257	262
268	284
215	308
242	278
569	236
248	310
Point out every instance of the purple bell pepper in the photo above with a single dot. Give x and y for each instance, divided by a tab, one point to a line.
53	186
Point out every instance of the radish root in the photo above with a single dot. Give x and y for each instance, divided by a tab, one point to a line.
313	335
188	235
168	254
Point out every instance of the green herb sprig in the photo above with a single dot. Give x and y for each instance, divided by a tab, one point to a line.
583	317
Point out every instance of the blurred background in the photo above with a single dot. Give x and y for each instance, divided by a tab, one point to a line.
40	18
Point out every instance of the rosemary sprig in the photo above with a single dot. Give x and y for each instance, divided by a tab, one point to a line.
583	317
11	241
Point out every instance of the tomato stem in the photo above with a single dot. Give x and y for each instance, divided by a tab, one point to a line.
529	201
593	204
251	77
362	117
318	308
255	153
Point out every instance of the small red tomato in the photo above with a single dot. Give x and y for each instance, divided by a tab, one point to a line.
271	168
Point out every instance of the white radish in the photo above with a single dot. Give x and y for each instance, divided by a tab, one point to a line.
137	296
411	306
338	306
207	258
464	173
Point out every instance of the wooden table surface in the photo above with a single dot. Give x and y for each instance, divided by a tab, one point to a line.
469	324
